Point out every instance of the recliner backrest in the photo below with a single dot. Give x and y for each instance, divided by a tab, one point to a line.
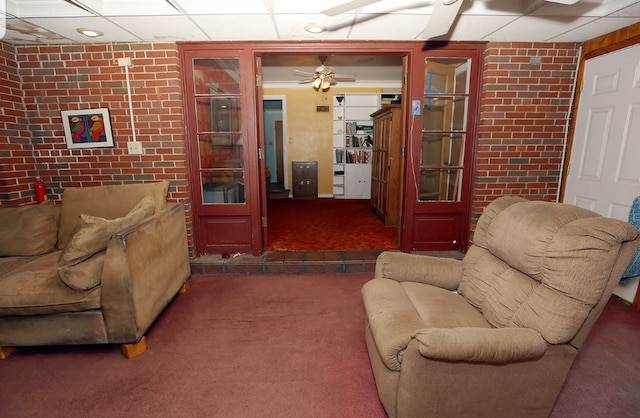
541	265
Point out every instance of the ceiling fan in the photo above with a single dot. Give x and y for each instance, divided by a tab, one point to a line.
323	77
442	18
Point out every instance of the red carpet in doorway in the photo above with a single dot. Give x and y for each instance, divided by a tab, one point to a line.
326	224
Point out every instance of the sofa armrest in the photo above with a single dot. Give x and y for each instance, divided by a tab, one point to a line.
144	269
437	271
488	345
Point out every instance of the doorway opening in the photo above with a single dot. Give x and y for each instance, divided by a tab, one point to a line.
330	222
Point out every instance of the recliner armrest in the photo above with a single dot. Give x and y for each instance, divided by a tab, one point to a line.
489	345
437	271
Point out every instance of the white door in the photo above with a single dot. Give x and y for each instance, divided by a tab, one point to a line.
604	171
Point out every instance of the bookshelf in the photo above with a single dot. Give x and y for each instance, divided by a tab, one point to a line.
352	144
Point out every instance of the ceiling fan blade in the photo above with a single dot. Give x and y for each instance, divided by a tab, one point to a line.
348	6
564	1
304	73
442	18
344	77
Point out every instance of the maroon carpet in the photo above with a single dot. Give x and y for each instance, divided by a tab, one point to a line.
233	346
605	377
326	224
274	346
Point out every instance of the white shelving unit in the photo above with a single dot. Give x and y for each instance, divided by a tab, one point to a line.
352	144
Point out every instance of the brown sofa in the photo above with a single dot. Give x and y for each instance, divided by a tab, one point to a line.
98	269
493	334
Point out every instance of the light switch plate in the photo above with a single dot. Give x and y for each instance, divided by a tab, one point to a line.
134	147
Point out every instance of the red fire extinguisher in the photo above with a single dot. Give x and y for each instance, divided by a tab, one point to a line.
41	190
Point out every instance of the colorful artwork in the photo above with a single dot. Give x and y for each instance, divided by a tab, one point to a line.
89	128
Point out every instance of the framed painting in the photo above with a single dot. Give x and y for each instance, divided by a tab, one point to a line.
88	128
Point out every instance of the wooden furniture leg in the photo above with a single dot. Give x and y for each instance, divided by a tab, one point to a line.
6	352
185	287
133	350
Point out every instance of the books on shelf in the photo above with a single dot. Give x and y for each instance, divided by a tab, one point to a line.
358	157
339	156
361	141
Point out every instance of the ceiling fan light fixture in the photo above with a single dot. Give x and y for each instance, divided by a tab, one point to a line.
315	28
316	83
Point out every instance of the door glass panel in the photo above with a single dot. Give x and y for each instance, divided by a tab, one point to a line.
223	186
216	75
440	184
445	106
218	128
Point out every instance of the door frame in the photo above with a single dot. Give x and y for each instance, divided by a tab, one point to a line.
285	143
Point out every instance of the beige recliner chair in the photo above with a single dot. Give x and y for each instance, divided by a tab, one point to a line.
493	334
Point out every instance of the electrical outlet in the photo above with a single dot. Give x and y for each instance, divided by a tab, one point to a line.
124	62
135	147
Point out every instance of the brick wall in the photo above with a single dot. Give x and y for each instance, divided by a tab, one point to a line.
17	165
524	111
71	77
524	115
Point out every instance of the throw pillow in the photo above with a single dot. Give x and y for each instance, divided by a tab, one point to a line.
28	230
85	275
92	233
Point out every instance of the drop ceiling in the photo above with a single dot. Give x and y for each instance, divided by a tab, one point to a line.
31	22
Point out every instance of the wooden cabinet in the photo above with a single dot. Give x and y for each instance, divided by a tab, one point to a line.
386	179
305	179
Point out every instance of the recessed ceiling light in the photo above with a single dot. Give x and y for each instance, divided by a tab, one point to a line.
90	32
315	28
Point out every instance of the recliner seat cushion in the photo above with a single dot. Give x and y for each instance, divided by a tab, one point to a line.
396	310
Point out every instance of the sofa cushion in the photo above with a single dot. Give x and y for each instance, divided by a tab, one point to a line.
8	264
92	233
28	230
36	289
109	202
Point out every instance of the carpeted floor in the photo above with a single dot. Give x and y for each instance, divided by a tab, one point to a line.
274	346
233	346
326	224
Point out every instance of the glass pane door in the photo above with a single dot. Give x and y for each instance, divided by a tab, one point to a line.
218	130
445	107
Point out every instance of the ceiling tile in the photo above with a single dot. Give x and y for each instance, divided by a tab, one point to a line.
246	27
174	28
211	7
537	29
595	28
389	27
67	28
478	27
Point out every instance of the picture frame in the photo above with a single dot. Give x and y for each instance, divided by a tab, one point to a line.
87	128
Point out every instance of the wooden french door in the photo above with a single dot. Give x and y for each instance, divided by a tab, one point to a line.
441	151
222	140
